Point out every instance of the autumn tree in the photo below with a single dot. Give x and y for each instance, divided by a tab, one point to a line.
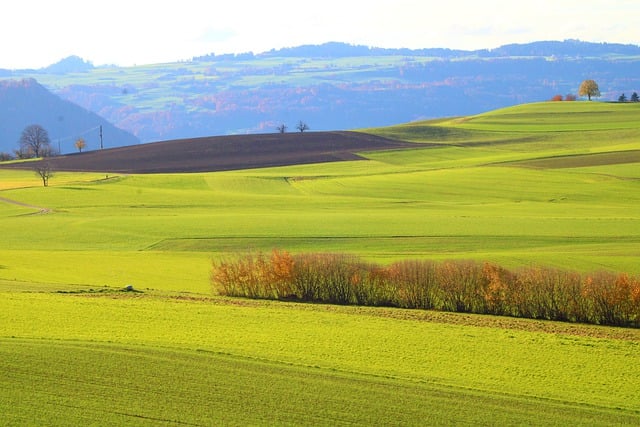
34	142
302	126
589	88
557	98
44	171
80	144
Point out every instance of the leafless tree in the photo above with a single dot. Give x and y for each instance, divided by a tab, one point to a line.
282	128
44	171
34	141
302	126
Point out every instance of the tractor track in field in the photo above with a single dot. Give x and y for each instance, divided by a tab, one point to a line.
40	209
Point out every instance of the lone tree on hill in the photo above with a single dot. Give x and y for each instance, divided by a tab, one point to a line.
589	88
44	171
80	144
34	142
302	126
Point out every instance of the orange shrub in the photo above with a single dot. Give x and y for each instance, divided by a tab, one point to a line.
461	286
416	284
499	290
614	299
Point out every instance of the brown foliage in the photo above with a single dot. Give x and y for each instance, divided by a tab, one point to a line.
416	283
459	286
615	299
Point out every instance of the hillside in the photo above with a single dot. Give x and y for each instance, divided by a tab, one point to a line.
107	309
333	86
26	102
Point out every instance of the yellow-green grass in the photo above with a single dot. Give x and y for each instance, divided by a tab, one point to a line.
148	358
24	178
579	218
559	198
479	194
557	117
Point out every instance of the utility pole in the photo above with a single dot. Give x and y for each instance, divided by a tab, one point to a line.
101	137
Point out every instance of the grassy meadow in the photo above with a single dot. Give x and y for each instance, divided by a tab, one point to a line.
554	184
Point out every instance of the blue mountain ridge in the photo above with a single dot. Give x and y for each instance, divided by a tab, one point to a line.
332	86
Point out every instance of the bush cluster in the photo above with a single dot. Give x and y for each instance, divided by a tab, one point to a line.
601	298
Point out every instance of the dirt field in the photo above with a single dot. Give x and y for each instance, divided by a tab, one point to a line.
220	153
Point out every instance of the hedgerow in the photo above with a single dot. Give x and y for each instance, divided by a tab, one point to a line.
602	298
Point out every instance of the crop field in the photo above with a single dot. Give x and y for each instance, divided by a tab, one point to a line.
531	185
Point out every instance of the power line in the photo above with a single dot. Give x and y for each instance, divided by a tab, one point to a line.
76	136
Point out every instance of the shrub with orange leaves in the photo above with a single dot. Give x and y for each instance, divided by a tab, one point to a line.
461	286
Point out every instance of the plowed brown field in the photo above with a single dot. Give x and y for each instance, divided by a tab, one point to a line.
221	153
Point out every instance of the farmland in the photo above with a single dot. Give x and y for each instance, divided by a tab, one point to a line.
529	185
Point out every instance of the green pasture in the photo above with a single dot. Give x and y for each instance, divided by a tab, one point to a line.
552	183
149	359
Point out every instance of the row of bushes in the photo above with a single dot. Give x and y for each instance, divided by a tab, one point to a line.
460	286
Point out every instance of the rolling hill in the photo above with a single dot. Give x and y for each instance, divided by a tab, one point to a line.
541	184
552	184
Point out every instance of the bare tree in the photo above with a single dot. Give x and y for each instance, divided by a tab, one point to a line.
34	141
282	128
80	144
302	126
44	171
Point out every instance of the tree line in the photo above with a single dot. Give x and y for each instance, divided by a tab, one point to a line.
589	88
602	298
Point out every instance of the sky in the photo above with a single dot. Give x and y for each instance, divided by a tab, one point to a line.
37	33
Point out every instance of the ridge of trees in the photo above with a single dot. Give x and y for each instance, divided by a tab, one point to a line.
334	49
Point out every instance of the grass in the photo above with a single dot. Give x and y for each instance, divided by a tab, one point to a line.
547	183
152	358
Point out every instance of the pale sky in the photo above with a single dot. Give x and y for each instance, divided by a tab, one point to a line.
37	33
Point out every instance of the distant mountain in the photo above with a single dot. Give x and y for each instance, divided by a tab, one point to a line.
71	64
334	86
25	102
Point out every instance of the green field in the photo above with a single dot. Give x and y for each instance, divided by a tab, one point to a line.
541	184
